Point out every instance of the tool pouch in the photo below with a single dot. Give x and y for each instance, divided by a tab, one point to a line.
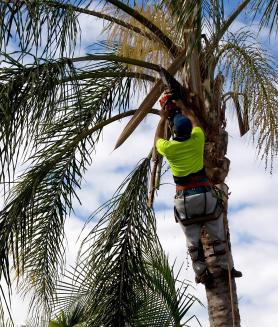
197	208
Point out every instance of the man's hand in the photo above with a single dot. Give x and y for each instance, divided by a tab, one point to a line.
164	113
164	100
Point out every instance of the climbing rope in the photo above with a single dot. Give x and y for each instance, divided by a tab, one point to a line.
225	225
229	275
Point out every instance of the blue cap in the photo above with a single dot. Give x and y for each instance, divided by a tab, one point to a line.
182	124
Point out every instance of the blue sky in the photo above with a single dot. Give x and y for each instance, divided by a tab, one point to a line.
252	215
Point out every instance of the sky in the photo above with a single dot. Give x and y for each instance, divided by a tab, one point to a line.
253	207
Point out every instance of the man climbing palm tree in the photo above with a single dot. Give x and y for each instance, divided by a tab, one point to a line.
196	203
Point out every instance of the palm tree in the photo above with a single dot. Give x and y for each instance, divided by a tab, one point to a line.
54	107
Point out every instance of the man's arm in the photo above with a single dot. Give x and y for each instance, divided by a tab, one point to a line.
188	112
160	130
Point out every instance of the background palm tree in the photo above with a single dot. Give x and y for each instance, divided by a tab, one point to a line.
54	107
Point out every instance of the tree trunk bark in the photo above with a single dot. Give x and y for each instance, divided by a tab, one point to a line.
222	299
221	295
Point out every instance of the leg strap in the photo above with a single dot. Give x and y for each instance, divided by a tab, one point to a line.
196	253
198	260
218	248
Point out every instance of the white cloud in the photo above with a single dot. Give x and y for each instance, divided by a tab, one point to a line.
91	29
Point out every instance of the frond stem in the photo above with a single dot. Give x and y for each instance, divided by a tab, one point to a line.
116	58
228	95
93	74
98	14
55	4
90	131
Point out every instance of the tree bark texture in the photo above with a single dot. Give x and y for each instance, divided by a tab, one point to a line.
221	295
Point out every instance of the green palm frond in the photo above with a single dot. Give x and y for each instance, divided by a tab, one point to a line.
267	10
28	22
123	276
116	257
72	290
6	323
164	301
252	74
3	321
34	95
29	95
33	220
74	318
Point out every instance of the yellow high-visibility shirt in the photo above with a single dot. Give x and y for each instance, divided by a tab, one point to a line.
185	157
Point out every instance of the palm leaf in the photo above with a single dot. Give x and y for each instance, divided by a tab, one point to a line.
267	10
4	304
29	94
33	220
26	22
116	255
74	318
123	276
253	75
164	301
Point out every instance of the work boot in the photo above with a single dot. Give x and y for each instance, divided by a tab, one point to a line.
205	278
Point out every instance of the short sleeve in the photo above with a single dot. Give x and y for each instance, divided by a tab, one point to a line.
198	134
161	146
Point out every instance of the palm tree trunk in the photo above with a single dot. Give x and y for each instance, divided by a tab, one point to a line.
222	295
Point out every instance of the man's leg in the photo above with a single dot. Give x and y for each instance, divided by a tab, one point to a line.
192	233
195	249
218	240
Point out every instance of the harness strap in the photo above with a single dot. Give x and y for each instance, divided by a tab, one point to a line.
191	185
